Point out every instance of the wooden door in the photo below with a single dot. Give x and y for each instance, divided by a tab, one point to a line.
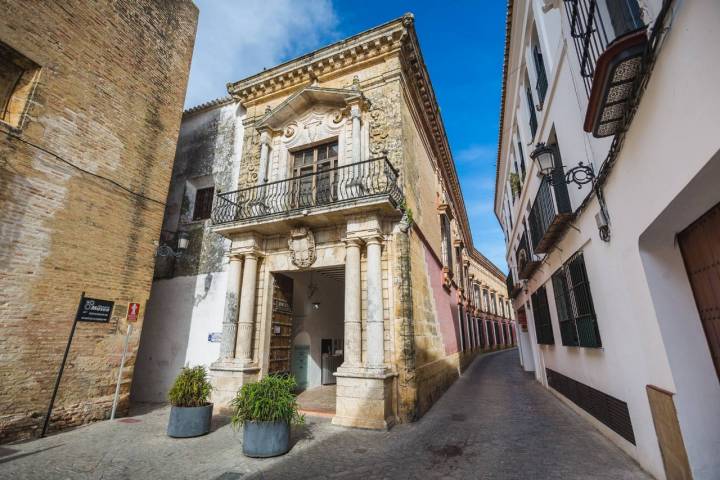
281	334
700	246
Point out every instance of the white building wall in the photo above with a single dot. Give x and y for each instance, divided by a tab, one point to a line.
666	177
184	311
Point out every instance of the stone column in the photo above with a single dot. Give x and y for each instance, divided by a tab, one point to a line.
375	330
246	318
230	318
356	147
353	292
264	150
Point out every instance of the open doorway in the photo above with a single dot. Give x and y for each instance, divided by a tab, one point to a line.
308	313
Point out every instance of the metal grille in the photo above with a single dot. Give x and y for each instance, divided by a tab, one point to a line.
549	209
541	314
541	85
531	109
338	185
203	203
590	34
573	299
609	410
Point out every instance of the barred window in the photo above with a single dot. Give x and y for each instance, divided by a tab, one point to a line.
576	314
203	203
541	314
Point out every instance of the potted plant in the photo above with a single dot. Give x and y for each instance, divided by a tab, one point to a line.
191	413
266	409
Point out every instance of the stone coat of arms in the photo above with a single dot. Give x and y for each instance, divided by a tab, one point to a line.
302	247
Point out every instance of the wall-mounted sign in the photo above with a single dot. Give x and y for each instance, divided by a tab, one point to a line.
94	310
214	337
133	312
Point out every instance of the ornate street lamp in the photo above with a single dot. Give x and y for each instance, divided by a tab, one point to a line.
544	155
167	251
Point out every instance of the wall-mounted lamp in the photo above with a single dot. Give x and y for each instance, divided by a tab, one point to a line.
167	251
544	155
316	305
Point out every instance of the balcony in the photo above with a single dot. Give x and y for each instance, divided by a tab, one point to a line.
527	262
320	198
610	40
550	213
512	288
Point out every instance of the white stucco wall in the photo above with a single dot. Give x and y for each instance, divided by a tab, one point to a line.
666	177
182	312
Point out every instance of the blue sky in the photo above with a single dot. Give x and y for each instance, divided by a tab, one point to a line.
462	43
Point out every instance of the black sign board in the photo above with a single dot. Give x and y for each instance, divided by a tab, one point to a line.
94	310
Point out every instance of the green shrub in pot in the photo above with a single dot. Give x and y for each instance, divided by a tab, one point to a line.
266	409
191	412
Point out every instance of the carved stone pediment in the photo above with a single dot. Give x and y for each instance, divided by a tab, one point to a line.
302	247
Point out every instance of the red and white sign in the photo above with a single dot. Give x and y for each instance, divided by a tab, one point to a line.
133	312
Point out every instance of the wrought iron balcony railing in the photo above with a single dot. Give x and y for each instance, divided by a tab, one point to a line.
550	213
512	288
527	261
594	24
337	186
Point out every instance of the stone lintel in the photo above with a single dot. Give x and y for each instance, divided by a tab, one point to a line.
247	242
364	225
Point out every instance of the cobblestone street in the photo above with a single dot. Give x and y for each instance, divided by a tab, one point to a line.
488	425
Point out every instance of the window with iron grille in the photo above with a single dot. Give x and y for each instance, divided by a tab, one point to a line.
541	314
542	83
18	78
573	300
522	160
531	110
446	246
203	203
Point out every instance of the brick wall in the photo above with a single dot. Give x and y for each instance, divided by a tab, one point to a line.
108	100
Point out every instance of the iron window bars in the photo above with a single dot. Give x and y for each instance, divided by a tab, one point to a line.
573	300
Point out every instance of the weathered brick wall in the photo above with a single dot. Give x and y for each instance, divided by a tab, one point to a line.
109	100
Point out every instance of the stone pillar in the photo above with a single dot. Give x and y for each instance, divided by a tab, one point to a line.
246	318
264	154
353	296
230	318
375	330
356	147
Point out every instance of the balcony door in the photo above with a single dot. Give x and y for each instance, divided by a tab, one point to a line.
315	173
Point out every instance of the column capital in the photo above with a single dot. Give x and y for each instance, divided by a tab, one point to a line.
376	239
353	241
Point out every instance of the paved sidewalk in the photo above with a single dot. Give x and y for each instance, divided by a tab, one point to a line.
496	422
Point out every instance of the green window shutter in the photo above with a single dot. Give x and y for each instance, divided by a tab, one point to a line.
541	315
583	311
568	333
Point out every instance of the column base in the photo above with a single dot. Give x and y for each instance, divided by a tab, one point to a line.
227	376
364	398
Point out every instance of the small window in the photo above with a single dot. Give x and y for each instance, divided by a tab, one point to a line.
446	246
18	76
203	203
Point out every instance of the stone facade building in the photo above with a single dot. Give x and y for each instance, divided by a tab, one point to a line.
342	248
90	103
607	189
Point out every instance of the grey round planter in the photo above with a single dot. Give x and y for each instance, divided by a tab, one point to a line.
189	421
266	439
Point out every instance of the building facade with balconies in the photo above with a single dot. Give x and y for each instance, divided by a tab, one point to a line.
337	247
608	167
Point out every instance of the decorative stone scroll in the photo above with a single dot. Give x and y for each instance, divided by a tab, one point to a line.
302	247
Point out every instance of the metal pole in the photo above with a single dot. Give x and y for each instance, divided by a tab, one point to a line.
122	364
62	367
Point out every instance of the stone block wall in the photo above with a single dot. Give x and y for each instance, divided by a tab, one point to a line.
103	120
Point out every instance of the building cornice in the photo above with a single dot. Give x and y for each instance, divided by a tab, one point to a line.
208	105
503	95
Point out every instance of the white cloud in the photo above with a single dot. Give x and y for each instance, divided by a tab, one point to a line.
476	153
238	39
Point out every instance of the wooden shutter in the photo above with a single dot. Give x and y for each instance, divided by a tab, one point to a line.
581	298
568	334
541	314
